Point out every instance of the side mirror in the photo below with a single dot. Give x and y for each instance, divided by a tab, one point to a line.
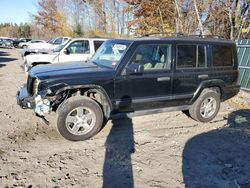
135	69
66	51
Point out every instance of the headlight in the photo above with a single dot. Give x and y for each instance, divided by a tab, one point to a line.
35	86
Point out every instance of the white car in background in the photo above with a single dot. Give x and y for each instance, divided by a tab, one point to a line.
77	49
50	45
27	44
44	48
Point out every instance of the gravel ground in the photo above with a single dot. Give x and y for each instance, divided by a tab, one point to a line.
161	150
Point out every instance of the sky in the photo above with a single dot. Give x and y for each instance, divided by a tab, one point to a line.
17	11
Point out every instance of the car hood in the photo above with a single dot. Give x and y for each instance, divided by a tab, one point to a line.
41	58
68	70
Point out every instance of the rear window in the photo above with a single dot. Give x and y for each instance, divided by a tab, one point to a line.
222	56
191	56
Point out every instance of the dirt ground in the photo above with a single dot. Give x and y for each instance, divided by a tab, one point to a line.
162	150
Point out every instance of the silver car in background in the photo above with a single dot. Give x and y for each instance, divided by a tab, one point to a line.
6	43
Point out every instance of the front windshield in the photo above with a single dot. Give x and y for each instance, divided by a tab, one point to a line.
110	53
59	48
51	41
48	41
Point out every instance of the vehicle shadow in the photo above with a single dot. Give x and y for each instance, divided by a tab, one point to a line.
117	168
220	158
2	65
5	59
4	54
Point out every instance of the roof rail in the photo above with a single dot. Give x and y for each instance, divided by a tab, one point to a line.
208	36
168	34
162	34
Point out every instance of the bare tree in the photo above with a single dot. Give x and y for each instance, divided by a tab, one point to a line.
198	17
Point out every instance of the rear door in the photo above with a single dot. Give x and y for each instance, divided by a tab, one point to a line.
190	70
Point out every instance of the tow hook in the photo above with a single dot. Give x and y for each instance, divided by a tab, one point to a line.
43	119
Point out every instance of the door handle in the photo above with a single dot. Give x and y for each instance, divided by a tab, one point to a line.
163	79
203	76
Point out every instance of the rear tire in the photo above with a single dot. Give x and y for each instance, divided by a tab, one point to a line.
206	107
79	118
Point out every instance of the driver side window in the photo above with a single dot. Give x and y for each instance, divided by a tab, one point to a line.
153	57
79	47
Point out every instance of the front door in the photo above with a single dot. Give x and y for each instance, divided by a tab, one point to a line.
149	89
77	51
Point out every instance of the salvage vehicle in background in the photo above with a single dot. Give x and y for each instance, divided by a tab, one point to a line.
77	49
134	77
45	47
50	45
17	41
26	51
27	44
6	42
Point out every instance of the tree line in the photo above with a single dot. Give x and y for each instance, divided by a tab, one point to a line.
115	18
82	18
14	30
226	18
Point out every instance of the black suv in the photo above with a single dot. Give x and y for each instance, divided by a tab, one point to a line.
135	76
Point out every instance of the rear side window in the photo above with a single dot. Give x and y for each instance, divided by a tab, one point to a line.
186	56
191	56
97	44
222	56
202	55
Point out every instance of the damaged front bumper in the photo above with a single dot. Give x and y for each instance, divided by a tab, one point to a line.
25	101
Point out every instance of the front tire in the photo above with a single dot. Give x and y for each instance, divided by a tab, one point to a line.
79	118
206	107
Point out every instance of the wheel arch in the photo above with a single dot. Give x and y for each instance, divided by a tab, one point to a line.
95	92
215	84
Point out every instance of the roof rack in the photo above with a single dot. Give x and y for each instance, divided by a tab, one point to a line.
169	34
162	34
208	36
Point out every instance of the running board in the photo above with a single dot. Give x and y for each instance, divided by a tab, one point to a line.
148	112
